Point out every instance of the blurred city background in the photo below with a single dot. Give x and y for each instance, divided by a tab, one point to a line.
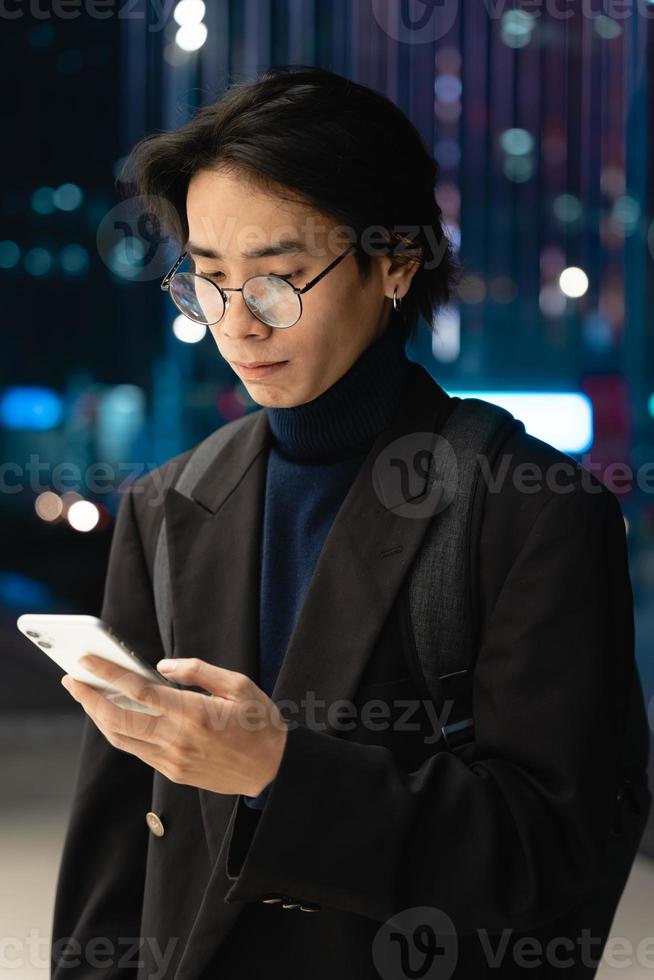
542	119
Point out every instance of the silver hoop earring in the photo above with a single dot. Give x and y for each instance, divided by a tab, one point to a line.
397	303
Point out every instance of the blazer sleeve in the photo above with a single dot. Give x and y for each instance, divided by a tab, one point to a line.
514	837
99	888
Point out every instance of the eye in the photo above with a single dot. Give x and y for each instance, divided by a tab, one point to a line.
291	275
219	275
209	275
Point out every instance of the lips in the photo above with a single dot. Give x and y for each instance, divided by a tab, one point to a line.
258	370
255	364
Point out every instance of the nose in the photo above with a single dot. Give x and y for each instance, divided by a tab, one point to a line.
238	321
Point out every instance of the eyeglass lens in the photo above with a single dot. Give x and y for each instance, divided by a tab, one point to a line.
269	298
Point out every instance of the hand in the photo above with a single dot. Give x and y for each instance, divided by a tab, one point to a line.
228	741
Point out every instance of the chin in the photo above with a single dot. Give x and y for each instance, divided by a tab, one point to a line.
271	398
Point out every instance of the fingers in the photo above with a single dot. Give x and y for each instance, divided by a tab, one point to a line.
218	681
110	718
160	697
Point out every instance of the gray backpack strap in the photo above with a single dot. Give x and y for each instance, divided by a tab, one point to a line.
203	454
442	588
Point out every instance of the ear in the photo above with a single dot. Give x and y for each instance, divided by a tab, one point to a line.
400	268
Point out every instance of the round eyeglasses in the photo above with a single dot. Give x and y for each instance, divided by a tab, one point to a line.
270	298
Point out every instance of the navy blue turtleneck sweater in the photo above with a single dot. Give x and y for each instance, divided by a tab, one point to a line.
316	451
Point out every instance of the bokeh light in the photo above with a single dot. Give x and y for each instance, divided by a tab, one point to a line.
49	506
573	282
188	331
83	515
9	254
68	197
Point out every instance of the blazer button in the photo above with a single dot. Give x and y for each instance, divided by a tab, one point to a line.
271	900
154	823
310	908
290	905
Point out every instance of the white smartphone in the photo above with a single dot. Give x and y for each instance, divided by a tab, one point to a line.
65	638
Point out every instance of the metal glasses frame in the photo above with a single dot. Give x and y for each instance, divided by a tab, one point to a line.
298	290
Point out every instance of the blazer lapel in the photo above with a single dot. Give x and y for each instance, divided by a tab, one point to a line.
214	550
213	547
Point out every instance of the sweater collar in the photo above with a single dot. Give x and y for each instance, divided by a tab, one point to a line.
345	419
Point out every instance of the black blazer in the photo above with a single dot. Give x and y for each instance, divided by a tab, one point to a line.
365	826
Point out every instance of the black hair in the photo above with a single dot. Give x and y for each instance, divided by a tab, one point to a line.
342	148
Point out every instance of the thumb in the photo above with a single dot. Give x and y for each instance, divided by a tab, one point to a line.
192	671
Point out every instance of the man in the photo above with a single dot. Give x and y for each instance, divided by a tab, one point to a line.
227	837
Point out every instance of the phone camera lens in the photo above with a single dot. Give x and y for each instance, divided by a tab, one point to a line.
42	643
32	633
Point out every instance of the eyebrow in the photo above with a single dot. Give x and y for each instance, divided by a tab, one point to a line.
281	248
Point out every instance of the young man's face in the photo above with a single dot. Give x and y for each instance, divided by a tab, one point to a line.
341	314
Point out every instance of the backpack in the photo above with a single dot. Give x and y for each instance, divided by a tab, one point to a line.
443	602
